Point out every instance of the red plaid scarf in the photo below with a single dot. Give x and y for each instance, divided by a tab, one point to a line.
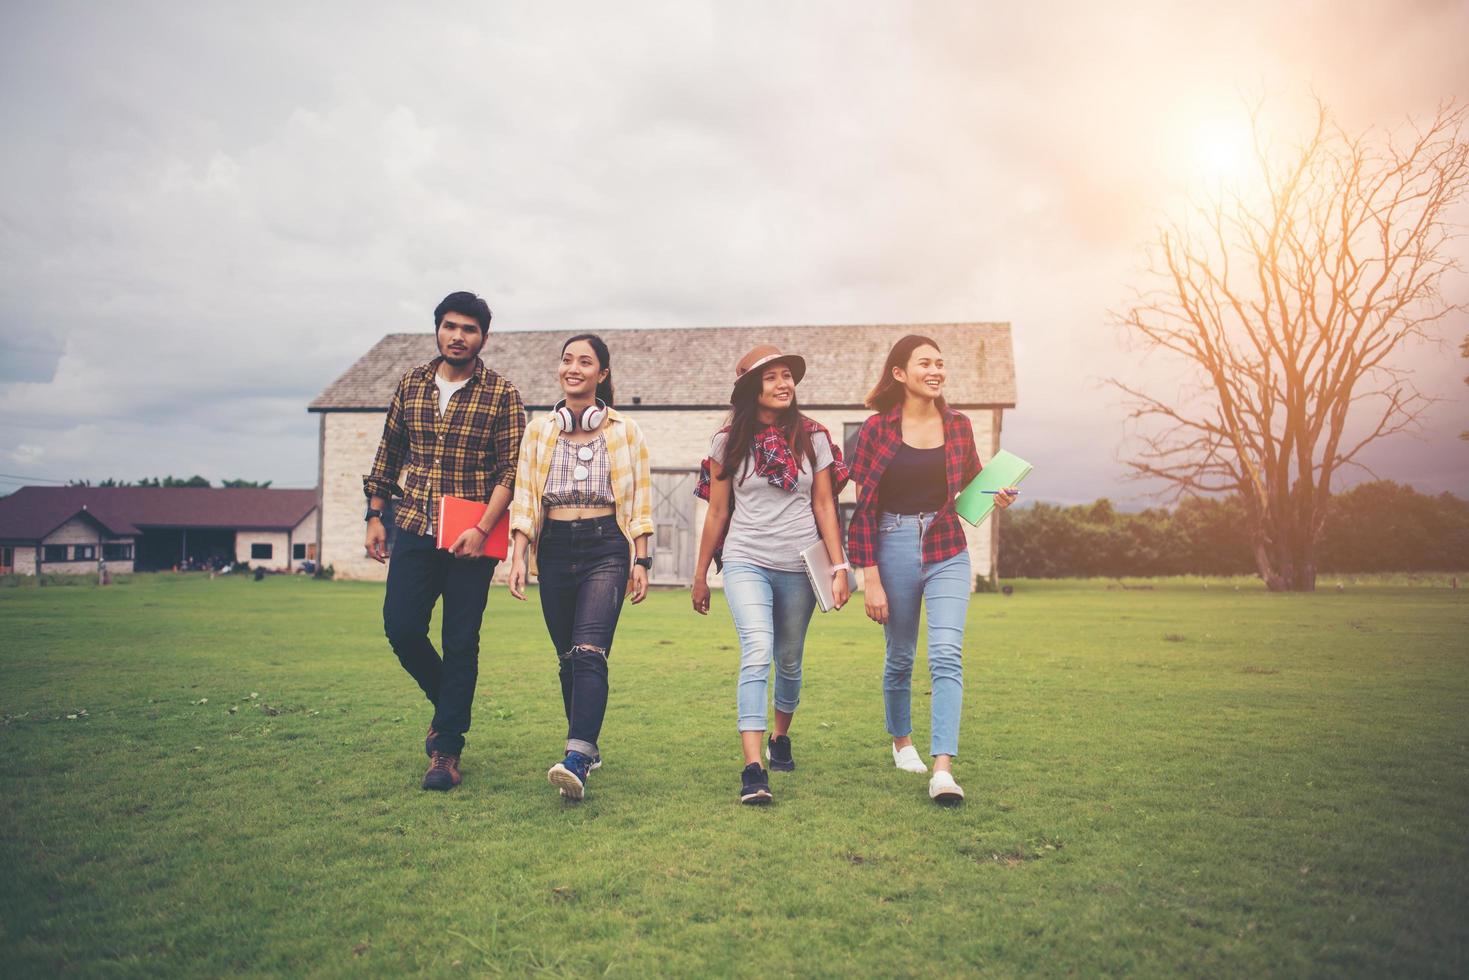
775	461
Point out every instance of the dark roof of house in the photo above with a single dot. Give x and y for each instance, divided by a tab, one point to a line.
31	513
694	368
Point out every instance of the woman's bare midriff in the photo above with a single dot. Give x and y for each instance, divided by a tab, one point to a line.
578	513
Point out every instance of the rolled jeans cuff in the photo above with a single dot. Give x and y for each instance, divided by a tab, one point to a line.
753	724
578	745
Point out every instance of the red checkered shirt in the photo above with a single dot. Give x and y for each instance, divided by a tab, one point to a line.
877	444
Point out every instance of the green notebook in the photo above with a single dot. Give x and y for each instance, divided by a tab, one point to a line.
1005	470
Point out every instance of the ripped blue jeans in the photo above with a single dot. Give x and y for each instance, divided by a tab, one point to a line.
582	572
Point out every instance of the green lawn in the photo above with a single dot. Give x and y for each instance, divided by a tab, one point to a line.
206	777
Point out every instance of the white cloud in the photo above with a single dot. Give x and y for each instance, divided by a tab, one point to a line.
215	210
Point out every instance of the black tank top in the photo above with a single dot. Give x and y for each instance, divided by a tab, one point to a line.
914	482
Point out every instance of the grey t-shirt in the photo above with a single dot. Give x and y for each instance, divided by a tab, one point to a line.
770	527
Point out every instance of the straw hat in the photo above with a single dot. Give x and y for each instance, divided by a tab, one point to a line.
751	365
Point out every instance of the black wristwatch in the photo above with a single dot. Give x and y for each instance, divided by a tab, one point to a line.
644	562
373	512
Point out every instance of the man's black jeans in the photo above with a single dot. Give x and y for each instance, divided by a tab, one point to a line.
419	573
583	568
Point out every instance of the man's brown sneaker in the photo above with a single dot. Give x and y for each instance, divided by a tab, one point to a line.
443	772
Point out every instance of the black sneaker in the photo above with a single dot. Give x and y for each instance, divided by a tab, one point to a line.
778	751
755	785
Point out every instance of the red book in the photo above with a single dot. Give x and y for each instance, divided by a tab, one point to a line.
456	515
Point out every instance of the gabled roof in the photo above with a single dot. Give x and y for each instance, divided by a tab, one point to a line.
31	513
694	368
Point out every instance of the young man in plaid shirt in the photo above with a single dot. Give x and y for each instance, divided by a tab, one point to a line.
454	427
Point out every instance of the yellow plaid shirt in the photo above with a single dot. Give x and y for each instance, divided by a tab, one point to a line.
632	480
466	452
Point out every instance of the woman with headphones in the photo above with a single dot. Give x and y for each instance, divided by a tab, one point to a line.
581	519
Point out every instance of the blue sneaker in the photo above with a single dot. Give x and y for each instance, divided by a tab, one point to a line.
570	775
778	751
754	786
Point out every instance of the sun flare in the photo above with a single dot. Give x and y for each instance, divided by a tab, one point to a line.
1221	149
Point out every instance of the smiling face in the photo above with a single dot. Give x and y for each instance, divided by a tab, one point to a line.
924	376
777	388
580	372
460	338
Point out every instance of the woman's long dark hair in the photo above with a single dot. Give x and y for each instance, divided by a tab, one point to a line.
604	360
744	422
888	391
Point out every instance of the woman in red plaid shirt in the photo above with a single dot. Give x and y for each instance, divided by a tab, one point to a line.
912	458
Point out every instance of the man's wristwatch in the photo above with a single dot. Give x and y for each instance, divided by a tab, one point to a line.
373	512
643	562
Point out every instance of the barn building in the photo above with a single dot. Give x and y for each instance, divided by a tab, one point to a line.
675	383
71	529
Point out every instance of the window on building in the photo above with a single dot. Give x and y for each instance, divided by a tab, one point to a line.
118	551
84	552
849	438
7	559
262	551
298	552
53	552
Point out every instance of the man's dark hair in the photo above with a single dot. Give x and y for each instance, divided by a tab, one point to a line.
466	304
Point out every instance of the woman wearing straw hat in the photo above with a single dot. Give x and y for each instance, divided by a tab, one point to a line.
771	479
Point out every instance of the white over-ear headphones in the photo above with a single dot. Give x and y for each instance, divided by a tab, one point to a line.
591	417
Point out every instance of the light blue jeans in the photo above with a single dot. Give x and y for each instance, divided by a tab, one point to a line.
943	587
771	611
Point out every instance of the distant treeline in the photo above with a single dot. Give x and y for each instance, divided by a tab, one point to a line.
170	481
1374	527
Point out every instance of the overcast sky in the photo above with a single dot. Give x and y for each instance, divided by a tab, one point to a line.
208	212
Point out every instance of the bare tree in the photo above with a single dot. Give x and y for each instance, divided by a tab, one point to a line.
1287	305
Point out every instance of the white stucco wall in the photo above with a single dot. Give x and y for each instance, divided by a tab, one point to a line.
279	556
303	533
349	441
25	559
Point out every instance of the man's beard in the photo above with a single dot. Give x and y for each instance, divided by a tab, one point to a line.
459	361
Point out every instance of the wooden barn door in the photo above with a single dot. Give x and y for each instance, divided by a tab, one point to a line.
674	536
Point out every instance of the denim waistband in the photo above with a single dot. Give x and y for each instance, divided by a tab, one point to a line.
918	519
586	524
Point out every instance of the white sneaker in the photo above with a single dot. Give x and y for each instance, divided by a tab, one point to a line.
943	790
907	759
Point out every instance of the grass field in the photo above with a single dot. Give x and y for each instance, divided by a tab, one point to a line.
208	777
